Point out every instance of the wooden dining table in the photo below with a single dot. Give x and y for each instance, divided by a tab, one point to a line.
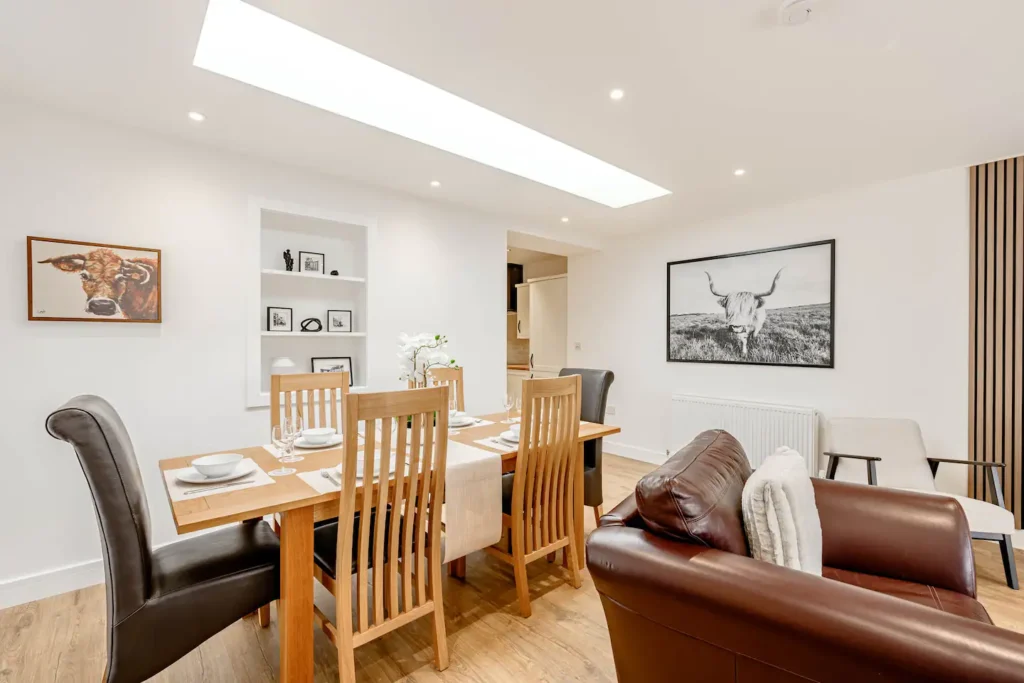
299	506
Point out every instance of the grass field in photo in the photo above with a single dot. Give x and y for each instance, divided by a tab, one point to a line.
796	335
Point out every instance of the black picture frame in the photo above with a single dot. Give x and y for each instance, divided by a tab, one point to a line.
291	318
346	359
329	326
323	261
831	317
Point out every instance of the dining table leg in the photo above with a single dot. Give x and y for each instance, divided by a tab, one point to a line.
577	503
295	606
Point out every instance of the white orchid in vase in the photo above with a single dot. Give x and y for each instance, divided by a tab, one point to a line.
421	352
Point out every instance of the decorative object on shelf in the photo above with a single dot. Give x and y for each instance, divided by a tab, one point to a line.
339	321
334	273
312	325
311	262
118	284
778	307
333	364
289	262
419	353
279	319
283	366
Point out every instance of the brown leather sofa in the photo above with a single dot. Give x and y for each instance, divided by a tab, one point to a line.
896	602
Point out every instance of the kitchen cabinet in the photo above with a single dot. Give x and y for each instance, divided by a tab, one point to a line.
548	315
523	311
515	382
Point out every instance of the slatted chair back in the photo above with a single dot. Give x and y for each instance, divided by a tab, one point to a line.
317	398
542	489
393	546
453	378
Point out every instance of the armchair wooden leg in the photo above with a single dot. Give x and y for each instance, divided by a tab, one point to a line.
598	514
264	615
1009	563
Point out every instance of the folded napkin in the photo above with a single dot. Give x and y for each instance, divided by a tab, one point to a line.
179	490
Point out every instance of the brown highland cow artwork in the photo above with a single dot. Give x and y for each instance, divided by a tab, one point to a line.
84	281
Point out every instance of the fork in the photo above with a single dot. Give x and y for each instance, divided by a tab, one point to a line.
190	492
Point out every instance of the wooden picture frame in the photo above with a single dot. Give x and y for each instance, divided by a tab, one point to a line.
120	284
712	318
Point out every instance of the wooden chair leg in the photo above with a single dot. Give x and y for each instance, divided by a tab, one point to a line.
440	635
1009	563
552	556
574	564
598	514
263	613
522	586
347	663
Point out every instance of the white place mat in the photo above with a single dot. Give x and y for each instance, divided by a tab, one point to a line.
497	444
318	482
179	490
276	452
456	430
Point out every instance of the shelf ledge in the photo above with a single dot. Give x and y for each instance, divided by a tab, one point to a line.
313	276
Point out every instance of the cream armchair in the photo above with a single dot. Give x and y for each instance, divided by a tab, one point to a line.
891	453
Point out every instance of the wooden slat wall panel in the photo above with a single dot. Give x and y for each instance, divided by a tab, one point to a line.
996	334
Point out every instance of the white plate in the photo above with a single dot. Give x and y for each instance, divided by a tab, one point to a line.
509	437
192	476
462	422
333	441
376	466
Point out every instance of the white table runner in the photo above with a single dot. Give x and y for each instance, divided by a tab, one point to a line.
179	490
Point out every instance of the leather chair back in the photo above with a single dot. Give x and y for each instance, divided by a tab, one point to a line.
595	387
107	457
897	442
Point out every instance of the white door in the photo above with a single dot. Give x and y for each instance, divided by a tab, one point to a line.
549	303
523	311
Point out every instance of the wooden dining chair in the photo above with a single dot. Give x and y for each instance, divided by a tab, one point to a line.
538	511
318	398
453	378
388	536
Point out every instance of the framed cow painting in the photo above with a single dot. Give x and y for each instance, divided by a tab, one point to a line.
86	281
768	307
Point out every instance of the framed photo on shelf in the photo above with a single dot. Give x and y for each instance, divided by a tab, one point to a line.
85	281
339	321
279	319
311	262
333	364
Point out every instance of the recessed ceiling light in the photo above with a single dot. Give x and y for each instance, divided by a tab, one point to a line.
245	43
196	116
565	219
617	94
435	183
739	171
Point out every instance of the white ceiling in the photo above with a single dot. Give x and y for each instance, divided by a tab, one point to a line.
868	90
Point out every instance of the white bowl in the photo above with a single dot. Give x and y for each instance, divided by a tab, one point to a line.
219	465
514	428
319	435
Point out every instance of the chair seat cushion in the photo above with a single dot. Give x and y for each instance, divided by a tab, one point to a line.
929	596
226	553
325	543
982	517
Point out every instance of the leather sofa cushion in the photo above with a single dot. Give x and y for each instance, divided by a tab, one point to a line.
929	596
696	495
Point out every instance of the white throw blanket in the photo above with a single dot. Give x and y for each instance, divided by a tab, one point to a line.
780	515
472	510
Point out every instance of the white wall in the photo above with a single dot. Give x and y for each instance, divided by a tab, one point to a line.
180	385
901	315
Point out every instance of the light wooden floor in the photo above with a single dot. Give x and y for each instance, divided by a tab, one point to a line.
63	638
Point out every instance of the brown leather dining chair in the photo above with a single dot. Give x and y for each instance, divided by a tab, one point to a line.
593	404
160	603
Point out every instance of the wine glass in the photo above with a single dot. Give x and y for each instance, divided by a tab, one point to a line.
291	431
510	401
279	439
519	407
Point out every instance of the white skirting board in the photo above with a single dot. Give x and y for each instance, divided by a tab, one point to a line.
626	450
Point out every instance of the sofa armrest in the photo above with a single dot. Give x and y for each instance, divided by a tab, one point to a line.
916	537
623	514
786	619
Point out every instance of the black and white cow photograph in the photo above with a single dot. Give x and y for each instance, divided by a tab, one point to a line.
767	307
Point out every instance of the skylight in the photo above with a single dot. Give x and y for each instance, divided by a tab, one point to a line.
255	47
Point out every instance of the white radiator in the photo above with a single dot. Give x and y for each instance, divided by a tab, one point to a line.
759	427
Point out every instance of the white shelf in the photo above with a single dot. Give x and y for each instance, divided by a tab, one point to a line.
315	276
313	334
